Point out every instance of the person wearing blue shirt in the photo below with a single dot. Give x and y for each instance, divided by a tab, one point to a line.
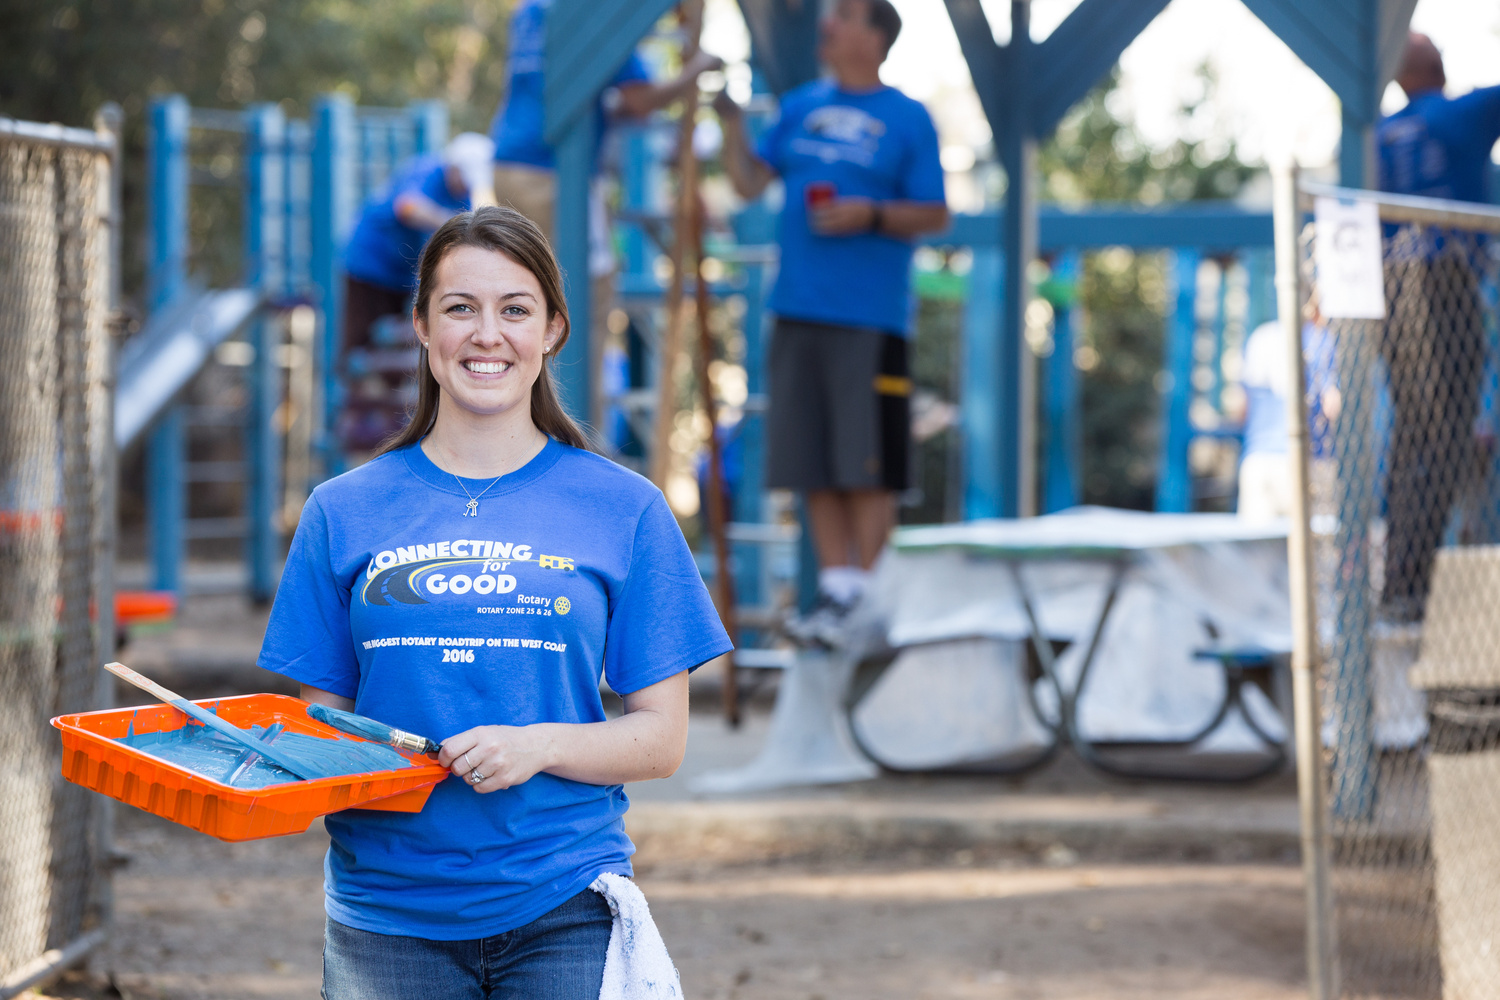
380	273
473	583
525	176
1265	478
1433	343
860	165
525	167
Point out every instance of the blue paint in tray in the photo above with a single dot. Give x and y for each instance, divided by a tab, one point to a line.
215	756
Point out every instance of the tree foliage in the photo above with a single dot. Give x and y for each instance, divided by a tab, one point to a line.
61	61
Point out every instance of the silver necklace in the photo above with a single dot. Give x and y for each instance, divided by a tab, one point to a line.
472	510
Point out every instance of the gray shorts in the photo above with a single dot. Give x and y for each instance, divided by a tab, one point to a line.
840	409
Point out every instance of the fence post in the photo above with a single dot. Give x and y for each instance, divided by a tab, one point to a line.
1174	484
330	215
1064	464
1322	953
265	152
166	276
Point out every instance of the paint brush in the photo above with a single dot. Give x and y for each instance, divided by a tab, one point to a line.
212	721
378	732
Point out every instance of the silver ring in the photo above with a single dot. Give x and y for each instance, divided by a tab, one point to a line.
469	762
475	777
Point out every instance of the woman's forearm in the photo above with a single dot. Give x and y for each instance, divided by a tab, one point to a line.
635	747
648	741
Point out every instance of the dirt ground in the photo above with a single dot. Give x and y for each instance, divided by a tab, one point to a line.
202	920
1161	892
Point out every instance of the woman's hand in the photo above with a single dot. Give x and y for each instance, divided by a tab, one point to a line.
489	758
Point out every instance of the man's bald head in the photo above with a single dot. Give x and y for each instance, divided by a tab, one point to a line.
1421	66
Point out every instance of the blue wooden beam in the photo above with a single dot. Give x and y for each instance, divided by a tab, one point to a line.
1062	478
166	275
264	215
331	214
783	41
587	43
979	403
575	165
1080	51
986	60
1174	482
1337	40
1211	226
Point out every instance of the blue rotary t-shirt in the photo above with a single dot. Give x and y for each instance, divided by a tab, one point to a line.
436	622
383	250
517	127
1439	147
879	145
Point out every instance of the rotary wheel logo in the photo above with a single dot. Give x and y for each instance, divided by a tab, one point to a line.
562	605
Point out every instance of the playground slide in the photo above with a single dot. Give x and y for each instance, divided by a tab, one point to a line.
158	363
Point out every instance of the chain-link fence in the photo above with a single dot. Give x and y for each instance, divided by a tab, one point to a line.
56	532
1402	509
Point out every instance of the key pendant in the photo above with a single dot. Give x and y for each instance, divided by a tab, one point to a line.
473	510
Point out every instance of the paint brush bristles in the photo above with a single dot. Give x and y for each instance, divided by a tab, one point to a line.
379	732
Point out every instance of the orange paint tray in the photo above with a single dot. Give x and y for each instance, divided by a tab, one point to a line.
93	758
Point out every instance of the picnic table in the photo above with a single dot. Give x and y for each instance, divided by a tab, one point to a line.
1119	608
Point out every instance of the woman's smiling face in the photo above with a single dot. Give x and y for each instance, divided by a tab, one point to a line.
486	331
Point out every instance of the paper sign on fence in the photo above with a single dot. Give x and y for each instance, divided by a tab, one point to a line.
1347	253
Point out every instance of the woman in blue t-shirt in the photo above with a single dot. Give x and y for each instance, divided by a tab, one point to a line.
472	583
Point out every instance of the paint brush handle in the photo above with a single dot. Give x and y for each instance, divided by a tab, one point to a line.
370	729
246	760
209	719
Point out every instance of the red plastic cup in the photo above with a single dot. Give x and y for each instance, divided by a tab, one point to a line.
817	194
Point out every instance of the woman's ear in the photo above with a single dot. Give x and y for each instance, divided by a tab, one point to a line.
554	333
419	324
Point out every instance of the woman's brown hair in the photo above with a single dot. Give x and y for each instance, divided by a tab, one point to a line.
505	231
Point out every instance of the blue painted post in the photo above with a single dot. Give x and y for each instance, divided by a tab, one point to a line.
1064	465
1016	441
429	121
575	161
981	402
635	172
1221	318
265	266
1356	150
331	213
755	225
166	275
296	232
1174	485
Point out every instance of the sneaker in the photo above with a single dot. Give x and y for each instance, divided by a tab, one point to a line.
823	624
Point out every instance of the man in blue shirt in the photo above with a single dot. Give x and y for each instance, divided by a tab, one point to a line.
380	274
525	169
859	161
1433	346
525	174
1265	487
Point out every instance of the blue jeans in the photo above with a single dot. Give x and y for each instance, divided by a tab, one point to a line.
558	956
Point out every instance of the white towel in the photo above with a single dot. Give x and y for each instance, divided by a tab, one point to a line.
636	966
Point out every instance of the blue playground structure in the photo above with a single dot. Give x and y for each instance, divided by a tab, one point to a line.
302	181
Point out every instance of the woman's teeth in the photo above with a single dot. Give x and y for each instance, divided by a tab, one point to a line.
487	367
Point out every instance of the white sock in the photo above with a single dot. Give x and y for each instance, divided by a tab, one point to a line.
844	584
